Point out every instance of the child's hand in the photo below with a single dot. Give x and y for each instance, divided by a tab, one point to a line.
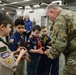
20	48
25	30
40	51
27	57
22	52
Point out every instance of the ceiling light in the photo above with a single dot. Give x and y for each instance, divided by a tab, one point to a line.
20	7
27	7
2	8
58	2
36	6
14	3
0	1
26	0
4	4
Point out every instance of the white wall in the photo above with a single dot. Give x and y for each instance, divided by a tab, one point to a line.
36	14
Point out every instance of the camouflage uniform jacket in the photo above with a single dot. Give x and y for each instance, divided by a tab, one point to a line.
63	38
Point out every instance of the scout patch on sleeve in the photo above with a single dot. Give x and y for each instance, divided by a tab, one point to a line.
8	61
2	49
5	55
11	41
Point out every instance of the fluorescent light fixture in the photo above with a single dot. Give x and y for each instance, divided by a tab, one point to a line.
20	7
14	3
27	7
58	2
2	8
4	4
36	6
26	0
0	1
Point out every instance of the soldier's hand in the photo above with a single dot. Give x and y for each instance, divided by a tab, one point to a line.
46	52
48	47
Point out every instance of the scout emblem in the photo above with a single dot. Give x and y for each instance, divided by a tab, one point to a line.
8	61
11	41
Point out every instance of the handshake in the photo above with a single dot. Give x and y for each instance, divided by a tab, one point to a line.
43	50
25	56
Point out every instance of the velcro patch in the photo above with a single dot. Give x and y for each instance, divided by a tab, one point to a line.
2	49
11	41
5	55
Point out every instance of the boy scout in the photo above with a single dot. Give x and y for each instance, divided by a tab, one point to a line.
63	36
45	63
34	48
7	59
16	41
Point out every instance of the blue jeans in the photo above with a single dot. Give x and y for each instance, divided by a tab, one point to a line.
32	66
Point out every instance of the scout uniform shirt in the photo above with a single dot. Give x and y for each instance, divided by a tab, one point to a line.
33	43
45	41
7	60
15	41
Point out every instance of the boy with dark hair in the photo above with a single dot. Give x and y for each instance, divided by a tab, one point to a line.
35	48
17	41
45	63
7	59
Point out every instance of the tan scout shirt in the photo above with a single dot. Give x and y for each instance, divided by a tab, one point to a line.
7	60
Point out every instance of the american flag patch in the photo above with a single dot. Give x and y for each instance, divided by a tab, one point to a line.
5	55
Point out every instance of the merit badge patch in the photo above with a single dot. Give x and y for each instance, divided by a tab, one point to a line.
5	55
11	41
8	61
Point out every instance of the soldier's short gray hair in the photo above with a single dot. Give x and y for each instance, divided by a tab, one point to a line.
52	5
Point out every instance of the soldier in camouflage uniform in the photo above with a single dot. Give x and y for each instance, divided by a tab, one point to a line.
63	37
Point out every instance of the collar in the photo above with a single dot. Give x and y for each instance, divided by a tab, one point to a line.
3	38
44	35
18	34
